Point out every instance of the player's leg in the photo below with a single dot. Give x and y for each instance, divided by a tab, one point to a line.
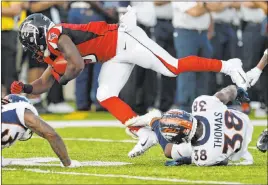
112	78
143	51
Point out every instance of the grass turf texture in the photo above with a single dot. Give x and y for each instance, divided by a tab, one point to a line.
149	165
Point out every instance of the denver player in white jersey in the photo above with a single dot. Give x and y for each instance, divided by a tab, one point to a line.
211	135
20	119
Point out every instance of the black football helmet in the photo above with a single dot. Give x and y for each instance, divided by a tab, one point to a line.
32	34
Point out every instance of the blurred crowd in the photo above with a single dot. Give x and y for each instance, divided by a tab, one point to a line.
220	30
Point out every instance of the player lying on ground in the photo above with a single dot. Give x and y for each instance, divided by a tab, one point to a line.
253	76
119	47
20	119
211	135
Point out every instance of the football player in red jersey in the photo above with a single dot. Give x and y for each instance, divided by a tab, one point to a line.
119	47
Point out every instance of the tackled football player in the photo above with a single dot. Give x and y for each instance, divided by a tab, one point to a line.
20	119
212	134
119	47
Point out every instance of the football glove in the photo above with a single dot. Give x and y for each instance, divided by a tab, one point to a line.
242	96
179	162
16	87
253	75
262	142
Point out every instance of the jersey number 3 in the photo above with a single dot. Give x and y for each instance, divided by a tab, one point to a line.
232	122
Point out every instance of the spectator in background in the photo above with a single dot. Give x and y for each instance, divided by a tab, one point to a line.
82	12
163	33
191	21
253	43
55	99
140	91
9	42
224	38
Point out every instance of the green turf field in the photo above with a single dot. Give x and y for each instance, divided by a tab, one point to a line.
110	147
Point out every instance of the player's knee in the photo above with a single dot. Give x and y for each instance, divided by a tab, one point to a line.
103	93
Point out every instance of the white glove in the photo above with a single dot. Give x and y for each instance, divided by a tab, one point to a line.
233	68
74	164
254	75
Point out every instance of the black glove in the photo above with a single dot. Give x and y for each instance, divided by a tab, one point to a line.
262	142
180	161
242	96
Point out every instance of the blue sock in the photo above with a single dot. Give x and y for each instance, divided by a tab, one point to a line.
162	141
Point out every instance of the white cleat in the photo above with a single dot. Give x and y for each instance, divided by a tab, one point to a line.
233	68
147	139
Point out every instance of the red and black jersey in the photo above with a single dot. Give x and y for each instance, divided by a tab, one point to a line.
96	41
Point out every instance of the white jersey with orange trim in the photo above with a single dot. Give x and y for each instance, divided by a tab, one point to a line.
13	124
226	133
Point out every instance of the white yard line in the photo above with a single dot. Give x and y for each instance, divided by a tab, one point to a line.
129	177
113	123
95	140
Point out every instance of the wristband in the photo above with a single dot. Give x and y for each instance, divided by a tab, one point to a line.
266	52
28	88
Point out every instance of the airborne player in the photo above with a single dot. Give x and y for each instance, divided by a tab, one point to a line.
119	47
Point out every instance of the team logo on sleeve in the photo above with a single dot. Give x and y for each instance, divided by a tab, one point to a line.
52	36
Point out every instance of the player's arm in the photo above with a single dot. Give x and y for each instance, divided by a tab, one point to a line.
71	54
39	86
255	73
227	94
41	128
13	10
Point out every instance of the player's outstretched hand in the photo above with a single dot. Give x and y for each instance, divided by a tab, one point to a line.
178	162
242	95
74	164
16	87
253	75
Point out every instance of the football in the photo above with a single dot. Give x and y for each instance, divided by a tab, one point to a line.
59	65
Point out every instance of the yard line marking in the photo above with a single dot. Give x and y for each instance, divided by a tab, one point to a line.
252	147
95	140
131	177
112	123
108	140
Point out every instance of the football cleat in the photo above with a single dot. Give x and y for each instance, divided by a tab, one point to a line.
233	68
145	119
131	133
147	139
262	142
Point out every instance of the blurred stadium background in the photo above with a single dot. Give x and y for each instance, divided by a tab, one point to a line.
212	29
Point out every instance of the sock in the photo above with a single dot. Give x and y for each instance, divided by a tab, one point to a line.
118	109
162	141
194	63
